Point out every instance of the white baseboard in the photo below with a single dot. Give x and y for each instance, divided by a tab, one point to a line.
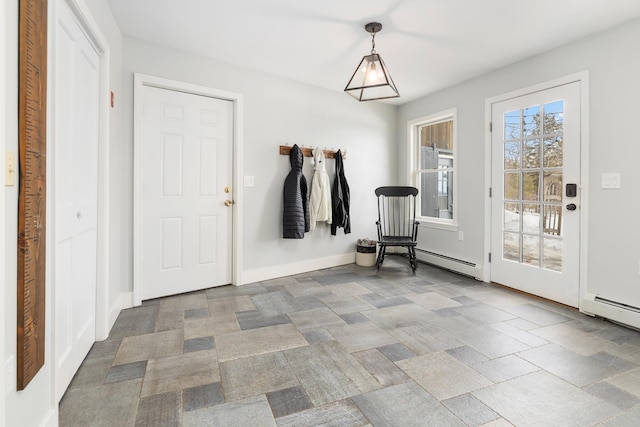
51	419
282	270
462	267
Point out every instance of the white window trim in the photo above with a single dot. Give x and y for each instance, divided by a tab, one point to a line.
412	159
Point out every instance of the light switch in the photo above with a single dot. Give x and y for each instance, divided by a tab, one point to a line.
10	169
249	181
610	180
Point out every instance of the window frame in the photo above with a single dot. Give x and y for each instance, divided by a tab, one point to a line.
413	164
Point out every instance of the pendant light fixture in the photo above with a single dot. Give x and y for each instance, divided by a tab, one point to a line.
372	80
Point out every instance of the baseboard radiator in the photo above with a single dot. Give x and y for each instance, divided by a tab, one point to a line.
597	305
454	264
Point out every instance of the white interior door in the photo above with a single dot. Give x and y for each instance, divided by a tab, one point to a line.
184	174
76	191
535	237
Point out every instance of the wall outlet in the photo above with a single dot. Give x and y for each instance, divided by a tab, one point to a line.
9	375
249	181
460	235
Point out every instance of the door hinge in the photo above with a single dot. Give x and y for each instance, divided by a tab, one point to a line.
490	192
490	126
489	256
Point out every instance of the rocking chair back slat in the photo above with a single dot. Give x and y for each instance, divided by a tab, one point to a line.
397	225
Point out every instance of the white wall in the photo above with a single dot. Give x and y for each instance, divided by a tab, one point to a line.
279	111
614	75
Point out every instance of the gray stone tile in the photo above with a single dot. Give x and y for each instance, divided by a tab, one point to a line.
614	362
518	334
184	302
102	406
134	321
628	381
352	318
288	401
442	375
346	304
467	355
92	371
423	339
537	315
338	414
572	367
571	338
404	405
230	291
254	342
361	336
169	319
256	375
253	319
144	347
378	301
483	313
522	324
274	303
202	396
542	399
186	370
332	279
433	301
505	368
470	410
626	419
198	344
314	319
309	302
465	300
329	373
126	372
400	316
613	395
253	411
316	336
481	338
385	288
196	312
381	368
396	352
347	289
230	304
159	410
219	322
104	348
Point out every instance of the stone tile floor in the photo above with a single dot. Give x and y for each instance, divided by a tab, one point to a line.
352	346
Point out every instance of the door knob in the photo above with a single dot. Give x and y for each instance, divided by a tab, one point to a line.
228	202
571	207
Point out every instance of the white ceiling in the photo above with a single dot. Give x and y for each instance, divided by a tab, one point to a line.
427	44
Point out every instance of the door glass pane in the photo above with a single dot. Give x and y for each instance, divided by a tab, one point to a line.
552	254
553	152
531	186
553	186
512	155
511	247
553	220
531	218
531	121
512	217
531	250
553	117
512	125
512	186
531	154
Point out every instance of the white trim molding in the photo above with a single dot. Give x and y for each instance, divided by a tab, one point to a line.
142	80
282	270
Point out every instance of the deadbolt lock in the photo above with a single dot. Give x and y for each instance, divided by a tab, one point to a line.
227	190
228	202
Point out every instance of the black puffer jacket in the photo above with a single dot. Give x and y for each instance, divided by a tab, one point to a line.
295	219
340	199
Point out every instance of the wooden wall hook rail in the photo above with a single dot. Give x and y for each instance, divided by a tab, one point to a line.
308	152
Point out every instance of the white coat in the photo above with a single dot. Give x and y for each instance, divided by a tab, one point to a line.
320	203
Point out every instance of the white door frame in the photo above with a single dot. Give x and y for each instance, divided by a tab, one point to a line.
583	79
142	80
99	42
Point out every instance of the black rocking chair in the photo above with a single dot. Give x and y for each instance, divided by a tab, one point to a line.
397	225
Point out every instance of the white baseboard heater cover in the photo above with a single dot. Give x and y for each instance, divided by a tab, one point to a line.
617	311
454	264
